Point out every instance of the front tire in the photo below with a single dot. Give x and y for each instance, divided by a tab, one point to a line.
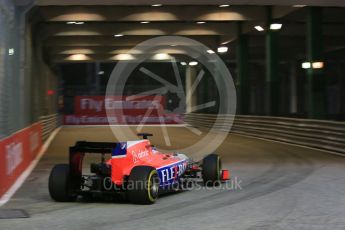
211	169
143	185
60	184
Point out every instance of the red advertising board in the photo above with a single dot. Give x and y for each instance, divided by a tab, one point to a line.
16	153
92	110
97	105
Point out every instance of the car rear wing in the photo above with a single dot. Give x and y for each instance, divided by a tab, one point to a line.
77	153
92	147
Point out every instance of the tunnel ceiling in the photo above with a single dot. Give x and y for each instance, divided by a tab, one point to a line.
190	2
94	40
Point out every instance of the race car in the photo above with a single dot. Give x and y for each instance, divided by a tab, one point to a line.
136	171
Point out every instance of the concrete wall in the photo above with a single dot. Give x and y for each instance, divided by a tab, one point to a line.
24	76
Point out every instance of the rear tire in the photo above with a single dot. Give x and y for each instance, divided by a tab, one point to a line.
211	170
143	185
60	184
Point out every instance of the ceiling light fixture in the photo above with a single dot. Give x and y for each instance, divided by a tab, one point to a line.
183	63
157	5
259	28
210	51
78	57
70	23
79	23
201	22
299	6
193	63
306	65
222	49
276	26
225	5
145	22
124	57
313	65
161	56
118	35
317	65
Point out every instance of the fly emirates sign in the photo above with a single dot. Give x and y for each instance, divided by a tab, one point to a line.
90	110
100	105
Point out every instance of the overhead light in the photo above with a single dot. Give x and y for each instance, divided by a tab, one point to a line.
78	57
118	35
317	65
210	51
276	26
144	22
74	23
100	72
77	51
161	56
306	65
193	63
259	28
222	49
157	5
126	51
313	65
183	63
10	51
201	22
124	57
173	45
299	6
224	5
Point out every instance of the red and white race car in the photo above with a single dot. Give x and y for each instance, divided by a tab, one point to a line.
136	171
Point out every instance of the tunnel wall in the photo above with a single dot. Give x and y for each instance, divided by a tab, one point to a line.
25	77
10	93
25	104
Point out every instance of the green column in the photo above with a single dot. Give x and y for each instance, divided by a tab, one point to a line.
190	79
272	71
242	83
316	97
205	90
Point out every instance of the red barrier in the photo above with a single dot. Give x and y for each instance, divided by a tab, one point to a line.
16	153
97	105
121	120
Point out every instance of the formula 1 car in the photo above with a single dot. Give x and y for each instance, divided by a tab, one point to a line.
136	171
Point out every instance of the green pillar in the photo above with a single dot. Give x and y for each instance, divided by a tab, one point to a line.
272	66
205	89
190	79
242	83
316	97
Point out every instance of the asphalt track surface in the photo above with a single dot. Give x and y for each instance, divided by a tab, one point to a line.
282	187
